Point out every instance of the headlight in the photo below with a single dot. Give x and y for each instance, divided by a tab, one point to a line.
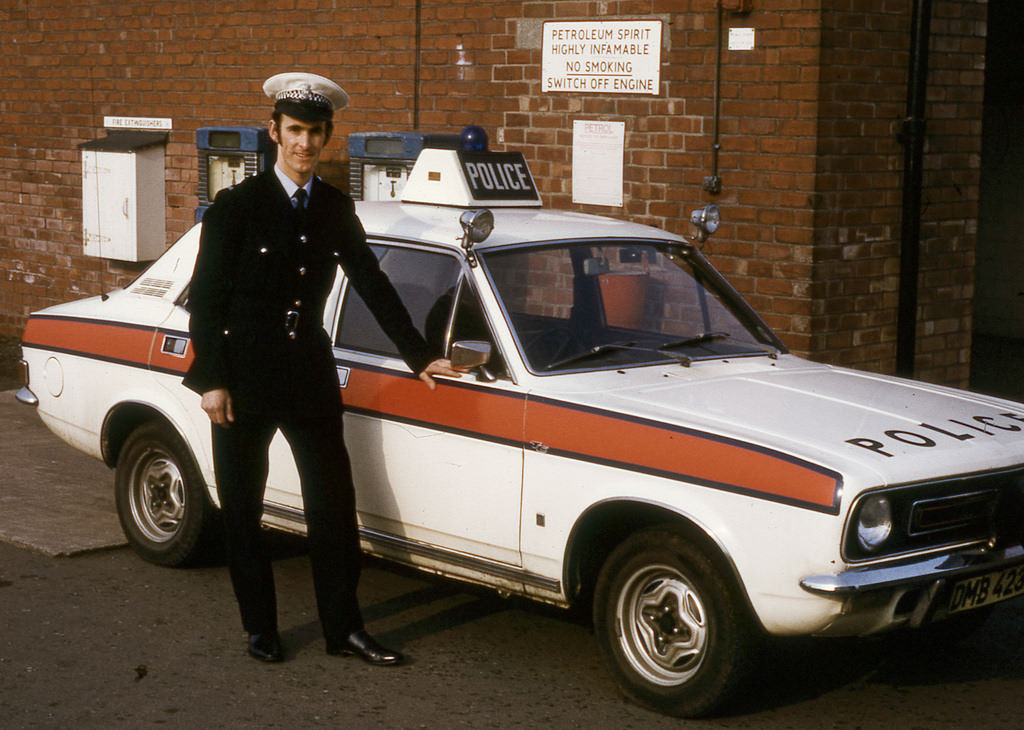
874	523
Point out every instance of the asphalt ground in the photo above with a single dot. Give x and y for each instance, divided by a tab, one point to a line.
53	498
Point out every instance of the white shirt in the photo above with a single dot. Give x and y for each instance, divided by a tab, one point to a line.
289	185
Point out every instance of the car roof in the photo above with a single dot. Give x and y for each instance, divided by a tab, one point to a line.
439	225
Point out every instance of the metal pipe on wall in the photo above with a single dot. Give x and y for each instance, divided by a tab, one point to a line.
416	66
713	182
912	137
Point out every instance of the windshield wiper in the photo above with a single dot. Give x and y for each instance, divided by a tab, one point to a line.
593	352
700	339
695	340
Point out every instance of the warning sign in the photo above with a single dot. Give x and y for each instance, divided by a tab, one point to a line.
602	56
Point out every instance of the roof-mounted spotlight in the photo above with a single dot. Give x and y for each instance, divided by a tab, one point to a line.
706	220
476	227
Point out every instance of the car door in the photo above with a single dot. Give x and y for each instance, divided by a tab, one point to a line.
436	468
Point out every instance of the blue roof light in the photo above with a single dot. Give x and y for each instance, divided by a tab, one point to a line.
473	139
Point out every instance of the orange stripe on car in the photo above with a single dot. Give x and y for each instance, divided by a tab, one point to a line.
453	406
681	453
118	343
598	436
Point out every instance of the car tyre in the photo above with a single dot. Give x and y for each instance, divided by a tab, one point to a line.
161	497
674	632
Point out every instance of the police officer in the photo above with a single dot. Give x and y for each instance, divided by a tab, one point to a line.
269	252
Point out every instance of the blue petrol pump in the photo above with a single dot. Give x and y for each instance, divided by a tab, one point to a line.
227	155
380	162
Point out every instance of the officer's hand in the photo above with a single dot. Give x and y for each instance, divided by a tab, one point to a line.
441	366
217	404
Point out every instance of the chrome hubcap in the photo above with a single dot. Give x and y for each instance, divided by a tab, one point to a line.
158	497
663	626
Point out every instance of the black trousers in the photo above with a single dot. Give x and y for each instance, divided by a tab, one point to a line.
240	459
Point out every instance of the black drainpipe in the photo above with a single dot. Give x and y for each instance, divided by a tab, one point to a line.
713	183
416	65
912	137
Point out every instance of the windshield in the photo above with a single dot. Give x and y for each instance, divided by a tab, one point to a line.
603	304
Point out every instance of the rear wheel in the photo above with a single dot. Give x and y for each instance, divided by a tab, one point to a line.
673	631
161	497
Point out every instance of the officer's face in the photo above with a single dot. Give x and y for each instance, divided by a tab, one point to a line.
299	144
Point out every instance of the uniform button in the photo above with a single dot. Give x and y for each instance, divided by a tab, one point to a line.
264	249
298	302
303	238
302	271
227	332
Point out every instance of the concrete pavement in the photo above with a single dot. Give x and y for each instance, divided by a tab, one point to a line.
52	498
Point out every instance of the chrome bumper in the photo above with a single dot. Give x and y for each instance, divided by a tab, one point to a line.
26	396
912	573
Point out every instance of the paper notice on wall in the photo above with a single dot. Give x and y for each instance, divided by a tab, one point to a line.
597	149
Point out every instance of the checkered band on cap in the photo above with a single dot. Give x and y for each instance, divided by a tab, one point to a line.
307	96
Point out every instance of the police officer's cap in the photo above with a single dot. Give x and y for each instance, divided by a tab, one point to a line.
305	96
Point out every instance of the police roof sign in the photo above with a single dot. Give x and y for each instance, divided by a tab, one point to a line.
498	175
602	56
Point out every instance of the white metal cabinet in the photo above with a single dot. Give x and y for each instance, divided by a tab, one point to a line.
123	208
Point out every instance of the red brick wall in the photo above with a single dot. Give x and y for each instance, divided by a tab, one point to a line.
860	162
809	161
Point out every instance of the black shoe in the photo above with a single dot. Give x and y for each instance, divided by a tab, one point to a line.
366	648
265	647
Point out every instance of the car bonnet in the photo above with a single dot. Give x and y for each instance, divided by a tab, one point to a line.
872	429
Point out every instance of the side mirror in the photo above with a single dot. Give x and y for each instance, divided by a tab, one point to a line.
469	354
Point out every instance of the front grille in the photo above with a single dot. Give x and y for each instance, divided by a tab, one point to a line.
972	509
969	513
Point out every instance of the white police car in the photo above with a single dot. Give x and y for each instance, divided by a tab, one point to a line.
637	440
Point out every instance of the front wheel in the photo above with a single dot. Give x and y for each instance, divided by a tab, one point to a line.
161	497
674	632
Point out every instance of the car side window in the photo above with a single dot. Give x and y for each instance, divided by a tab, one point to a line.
429	285
420	277
458	315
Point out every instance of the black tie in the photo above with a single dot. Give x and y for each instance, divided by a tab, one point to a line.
300	202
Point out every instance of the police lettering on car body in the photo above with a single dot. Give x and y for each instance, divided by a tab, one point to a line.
928	435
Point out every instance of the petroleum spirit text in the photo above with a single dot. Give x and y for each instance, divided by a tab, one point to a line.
598	35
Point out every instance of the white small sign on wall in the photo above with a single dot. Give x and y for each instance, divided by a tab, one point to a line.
154	123
741	39
602	56
597	149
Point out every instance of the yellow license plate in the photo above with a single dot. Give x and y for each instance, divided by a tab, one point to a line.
986	589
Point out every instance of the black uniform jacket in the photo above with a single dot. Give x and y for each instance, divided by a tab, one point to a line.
258	291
